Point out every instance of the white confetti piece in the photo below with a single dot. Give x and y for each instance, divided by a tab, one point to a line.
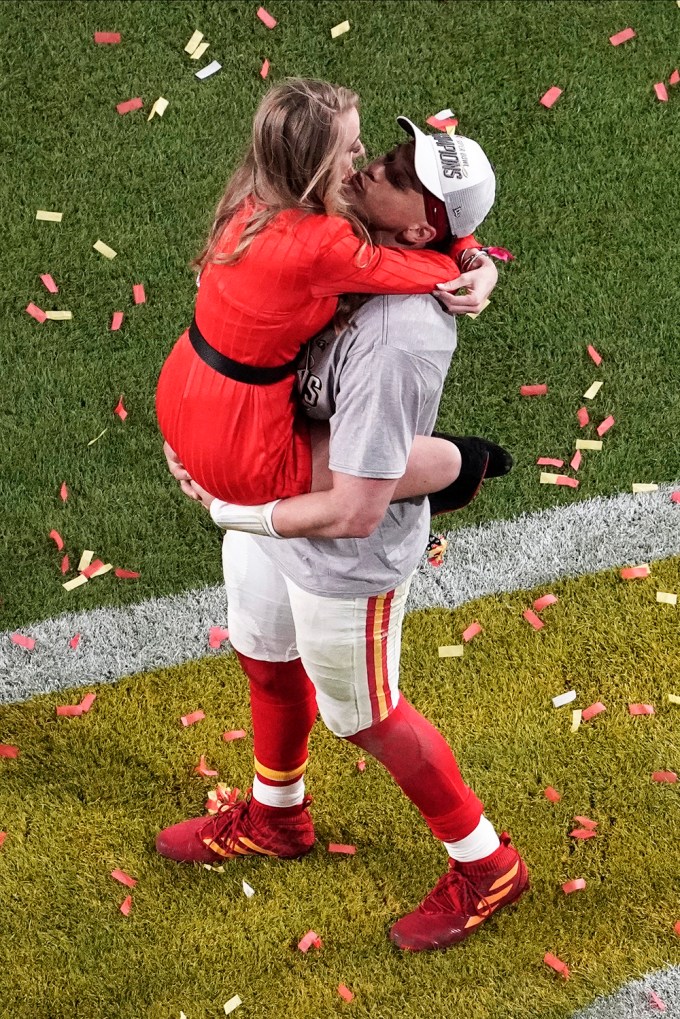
644	487
340	29
158	108
76	582
85	559
564	698
248	890
232	1005
211	69
49	217
193	42
666	598
592	391
576	719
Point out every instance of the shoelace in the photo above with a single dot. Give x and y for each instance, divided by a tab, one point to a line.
225	823
455	888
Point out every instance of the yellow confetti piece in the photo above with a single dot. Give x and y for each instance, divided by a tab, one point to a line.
548	479
232	1004
193	42
592	391
666	598
104	249
640	487
340	29
576	719
451	651
159	107
102	569
97	438
76	582
486	304
85	559
199	51
49	217
451	130
589	443
59	316
673	698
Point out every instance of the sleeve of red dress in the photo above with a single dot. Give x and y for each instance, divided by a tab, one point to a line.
462	244
346	265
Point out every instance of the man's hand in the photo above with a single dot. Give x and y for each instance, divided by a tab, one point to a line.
479	281
179	472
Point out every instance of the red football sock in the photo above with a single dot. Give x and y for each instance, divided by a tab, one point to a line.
420	760
283	710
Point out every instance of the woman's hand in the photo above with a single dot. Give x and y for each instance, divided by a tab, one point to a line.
179	472
199	493
479	281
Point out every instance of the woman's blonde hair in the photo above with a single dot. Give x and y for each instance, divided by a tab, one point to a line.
292	163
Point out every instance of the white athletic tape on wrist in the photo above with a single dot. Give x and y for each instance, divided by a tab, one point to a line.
251	519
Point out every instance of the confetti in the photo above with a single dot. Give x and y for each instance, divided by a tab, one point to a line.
594	444
623	36
634	572
125	879
7	750
49	283
559	479
59	316
586	822
100	570
203	769
266	18
551	794
63	492
577	885
69	711
361	764
85	559
233	734
576	716
474	315
310	938
440	121
666	598
91	568
65	564
25	642
556	964
657	776
97	437
49	217
472	631
674	698
248	890
3	836
199	51
71	585
674	78
676	925
539	390
345	992
194	716
564	698
126	905
656	1002
87	702
120	409
533	619
639	486
544	601
232	1004
104	38
550	97
605	425
340	29
641	709
592	391
208	70
104	249
129	105
593	710
548	461
74	641
661	92
338	847
116	321
35	312
57	539
216	636
264	70
575	461
583	833
597	358
502	254
126	574
138	293
193	42
582	415
451	651
158	108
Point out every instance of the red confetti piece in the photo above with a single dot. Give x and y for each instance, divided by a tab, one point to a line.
544	601
472	631
550	97
674	78
661	92
216	635
21	641
538	390
552	794
502	254
126	905
138	293
566	482
65	564
125	879
102	38
583	833
6	750
582	415
605	425
597	358
361	765
87	702
193	716
556	964
339	847
662	776
3	836
441	123
586	822
345	992
575	461
69	711
116	323
49	283
266	18
37	313
63	492
309	939
623	36
577	885
641	709
129	105
120	409
634	572
57	539
203	769
594	709
264	70
74	641
92	568
675	497
549	461
126	574
533	619
676	927
656	1002
233	734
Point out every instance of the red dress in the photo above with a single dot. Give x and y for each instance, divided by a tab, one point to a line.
249	444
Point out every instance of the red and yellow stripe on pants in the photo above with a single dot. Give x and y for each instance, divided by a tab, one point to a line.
377	673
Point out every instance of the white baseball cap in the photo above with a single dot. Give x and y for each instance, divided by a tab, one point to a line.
456	171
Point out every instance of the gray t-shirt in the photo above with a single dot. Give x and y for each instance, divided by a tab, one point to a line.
379	385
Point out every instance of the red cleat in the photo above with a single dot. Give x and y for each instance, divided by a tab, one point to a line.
239	828
462	900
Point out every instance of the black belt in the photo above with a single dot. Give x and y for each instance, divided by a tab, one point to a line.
236	370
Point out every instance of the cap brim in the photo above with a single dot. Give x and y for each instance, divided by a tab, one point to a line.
425	160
